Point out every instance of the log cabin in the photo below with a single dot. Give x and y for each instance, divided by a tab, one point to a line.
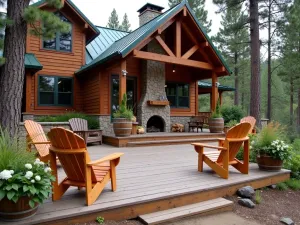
161	66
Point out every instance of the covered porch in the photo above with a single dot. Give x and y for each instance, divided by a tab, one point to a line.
148	180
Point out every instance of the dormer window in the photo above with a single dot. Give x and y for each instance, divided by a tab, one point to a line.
62	42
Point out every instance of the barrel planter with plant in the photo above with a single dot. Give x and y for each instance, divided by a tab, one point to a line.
216	121
122	119
25	182
270	149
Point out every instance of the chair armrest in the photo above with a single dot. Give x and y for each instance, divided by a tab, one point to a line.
221	139
209	146
106	158
86	131
237	139
40	143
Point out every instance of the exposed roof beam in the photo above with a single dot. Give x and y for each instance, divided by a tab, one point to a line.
178	38
164	46
172	60
220	69
190	52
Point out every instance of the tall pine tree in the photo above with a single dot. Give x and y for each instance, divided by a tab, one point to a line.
113	20
125	26
198	7
233	41
12	72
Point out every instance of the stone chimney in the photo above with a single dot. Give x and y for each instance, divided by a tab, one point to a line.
149	12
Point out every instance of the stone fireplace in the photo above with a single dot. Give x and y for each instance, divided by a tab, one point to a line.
155	124
153	81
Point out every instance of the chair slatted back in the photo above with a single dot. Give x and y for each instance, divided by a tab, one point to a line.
251	120
78	124
239	131
36	134
74	163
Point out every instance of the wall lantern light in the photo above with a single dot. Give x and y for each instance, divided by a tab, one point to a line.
124	72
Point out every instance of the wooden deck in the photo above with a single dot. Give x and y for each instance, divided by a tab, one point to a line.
161	138
149	179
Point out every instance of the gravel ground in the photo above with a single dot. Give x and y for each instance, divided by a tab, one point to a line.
275	205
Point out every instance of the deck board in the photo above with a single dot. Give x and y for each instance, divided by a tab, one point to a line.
144	175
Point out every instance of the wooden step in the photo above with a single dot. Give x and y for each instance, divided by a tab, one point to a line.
169	142
203	208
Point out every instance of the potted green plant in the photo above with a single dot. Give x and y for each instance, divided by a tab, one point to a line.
122	119
230	124
270	148
25	182
216	121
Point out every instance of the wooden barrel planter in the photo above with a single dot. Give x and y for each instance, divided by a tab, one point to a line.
216	125
10	211
268	163
122	127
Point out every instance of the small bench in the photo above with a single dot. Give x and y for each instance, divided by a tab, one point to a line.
197	122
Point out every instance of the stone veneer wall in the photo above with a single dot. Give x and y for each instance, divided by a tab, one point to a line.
106	125
148	15
153	88
182	120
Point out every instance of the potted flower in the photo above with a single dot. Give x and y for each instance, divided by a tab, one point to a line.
216	121
25	182
230	124
270	148
122	119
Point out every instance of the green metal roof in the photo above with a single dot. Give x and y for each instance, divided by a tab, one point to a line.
126	44
202	84
41	2
31	62
102	42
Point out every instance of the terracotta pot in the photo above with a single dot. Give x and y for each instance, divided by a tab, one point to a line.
268	163
216	125
122	127
10	211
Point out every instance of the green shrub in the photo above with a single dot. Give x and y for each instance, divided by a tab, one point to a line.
93	122
232	113
293	184
217	113
231	123
296	145
293	164
100	220
282	186
124	111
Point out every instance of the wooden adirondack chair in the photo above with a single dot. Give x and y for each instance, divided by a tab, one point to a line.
80	171
36	137
252	121
80	127
220	160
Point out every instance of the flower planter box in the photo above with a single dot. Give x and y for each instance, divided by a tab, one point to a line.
267	163
216	125
122	127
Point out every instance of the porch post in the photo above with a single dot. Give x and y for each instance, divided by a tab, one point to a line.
122	78
214	93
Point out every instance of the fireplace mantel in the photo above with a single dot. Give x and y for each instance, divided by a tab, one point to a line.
158	103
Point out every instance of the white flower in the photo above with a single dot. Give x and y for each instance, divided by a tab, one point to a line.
5	175
12	172
28	175
38	162
37	178
33	181
28	166
47	169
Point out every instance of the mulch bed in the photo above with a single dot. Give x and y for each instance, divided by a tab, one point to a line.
275	204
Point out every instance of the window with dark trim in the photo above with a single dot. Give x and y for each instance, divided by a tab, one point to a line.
62	42
178	95
55	91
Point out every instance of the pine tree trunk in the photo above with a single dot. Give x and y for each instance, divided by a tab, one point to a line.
255	62
13	71
269	107
236	79
291	102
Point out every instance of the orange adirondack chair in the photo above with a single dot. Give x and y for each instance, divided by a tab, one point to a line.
252	121
220	160
36	137
72	153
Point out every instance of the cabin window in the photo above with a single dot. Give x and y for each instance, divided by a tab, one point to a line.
178	95
62	42
55	91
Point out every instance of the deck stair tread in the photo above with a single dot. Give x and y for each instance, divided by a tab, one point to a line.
205	207
171	141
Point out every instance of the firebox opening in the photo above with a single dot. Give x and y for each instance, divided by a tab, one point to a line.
155	124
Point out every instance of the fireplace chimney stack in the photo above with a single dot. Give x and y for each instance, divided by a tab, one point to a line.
149	12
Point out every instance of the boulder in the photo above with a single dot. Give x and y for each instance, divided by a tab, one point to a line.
287	221
246	192
246	203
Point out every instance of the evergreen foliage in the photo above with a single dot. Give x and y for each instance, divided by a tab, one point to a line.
113	20
125	26
124	111
198	7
